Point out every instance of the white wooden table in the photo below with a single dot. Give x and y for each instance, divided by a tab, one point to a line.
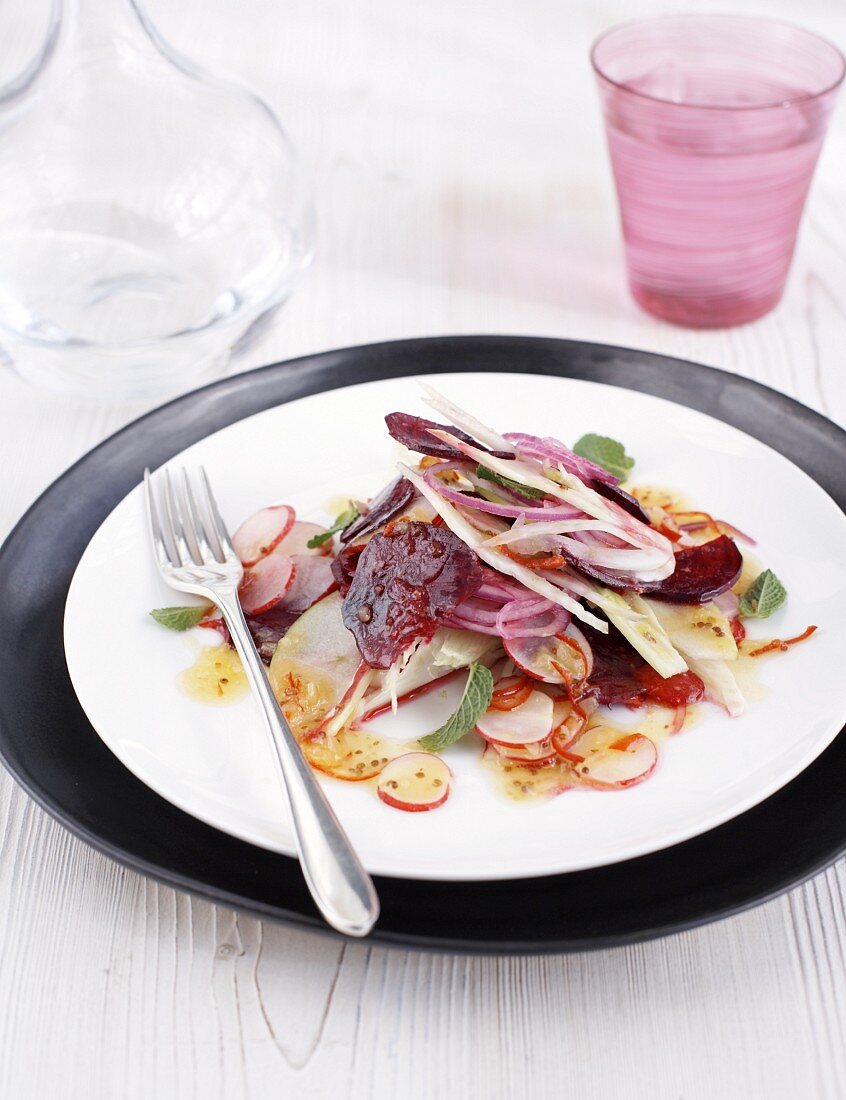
462	187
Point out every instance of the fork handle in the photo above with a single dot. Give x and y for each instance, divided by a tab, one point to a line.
341	888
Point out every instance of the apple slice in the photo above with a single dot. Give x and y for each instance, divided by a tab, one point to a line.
314	665
312	579
527	724
612	759
266	583
555	660
414	781
296	540
262	532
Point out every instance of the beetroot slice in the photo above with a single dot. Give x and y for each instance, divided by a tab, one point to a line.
407	580
621	676
344	566
595	573
613	678
266	629
619	496
701	573
384	506
413	432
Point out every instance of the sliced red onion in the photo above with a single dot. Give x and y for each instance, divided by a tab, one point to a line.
475	611
458	623
648	563
721	525
531	618
507	511
553	452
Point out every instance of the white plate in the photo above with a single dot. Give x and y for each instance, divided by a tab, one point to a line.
215	763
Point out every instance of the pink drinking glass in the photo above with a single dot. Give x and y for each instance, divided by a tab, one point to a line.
714	127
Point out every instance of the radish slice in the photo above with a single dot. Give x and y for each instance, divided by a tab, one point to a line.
554	660
262	532
312	579
415	781
297	539
266	583
530	755
569	724
613	760
527	724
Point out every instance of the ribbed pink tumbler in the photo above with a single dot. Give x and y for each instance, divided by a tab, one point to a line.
714	127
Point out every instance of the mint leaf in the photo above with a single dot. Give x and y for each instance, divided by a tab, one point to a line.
180	618
515	486
764	595
343	520
605	452
474	702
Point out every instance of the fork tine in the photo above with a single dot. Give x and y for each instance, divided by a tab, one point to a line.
216	518
159	545
174	518
196	522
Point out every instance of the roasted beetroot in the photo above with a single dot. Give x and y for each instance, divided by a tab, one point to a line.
701	573
614	581
619	496
620	675
407	580
266	629
344	566
413	432
384	506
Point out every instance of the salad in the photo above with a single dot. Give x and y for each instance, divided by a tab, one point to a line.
521	566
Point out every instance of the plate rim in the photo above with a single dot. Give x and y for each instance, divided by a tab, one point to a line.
287	380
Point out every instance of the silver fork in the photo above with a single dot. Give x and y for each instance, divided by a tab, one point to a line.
194	554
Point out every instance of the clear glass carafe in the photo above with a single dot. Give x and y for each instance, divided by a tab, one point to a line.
150	214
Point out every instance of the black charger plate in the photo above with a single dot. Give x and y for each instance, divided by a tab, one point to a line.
49	746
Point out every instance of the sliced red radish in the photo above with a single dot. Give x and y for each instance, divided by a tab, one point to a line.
531	755
612	760
266	583
312	579
527	724
262	532
415	781
559	659
350	755
298	537
570	720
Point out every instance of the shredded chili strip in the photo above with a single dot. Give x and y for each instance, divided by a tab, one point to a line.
622	743
512	694
782	644
534	561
